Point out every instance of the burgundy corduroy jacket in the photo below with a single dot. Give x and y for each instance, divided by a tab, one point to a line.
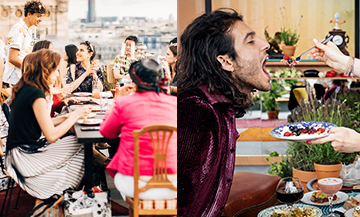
206	152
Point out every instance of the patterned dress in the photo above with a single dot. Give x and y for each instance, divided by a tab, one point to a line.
86	85
20	38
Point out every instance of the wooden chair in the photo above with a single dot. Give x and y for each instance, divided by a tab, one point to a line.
159	179
110	74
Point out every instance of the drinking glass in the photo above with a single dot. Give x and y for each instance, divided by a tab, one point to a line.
95	90
330	186
104	102
289	190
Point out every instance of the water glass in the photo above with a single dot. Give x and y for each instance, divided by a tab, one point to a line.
96	90
104	102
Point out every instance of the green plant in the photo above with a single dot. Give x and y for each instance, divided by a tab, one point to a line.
289	37
287	73
282	168
304	156
277	90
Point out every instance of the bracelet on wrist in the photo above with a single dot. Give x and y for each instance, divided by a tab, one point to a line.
350	67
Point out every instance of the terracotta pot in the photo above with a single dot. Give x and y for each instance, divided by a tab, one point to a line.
304	177
288	50
273	114
327	171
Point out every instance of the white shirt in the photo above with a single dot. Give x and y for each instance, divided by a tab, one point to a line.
20	38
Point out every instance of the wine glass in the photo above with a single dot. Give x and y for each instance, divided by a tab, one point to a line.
289	190
330	186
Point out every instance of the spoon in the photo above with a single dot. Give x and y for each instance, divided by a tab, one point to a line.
326	40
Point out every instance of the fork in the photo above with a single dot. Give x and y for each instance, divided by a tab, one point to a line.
326	40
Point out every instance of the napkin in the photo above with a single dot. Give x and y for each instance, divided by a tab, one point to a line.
351	171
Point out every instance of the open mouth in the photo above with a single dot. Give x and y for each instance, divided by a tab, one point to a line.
264	68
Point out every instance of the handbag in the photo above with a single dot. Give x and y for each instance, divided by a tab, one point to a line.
87	204
48	208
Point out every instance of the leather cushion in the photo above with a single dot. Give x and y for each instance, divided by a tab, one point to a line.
250	189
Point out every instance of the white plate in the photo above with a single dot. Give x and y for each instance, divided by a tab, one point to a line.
349	213
90	121
283	208
351	182
82	98
91	115
341	197
74	107
82	94
279	131
95	108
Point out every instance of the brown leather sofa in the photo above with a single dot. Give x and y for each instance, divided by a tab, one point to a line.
250	193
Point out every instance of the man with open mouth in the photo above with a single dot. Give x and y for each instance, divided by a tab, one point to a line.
221	61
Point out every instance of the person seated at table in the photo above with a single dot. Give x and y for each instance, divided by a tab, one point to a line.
171	58
42	166
57	90
70	58
148	105
117	62
43	44
86	70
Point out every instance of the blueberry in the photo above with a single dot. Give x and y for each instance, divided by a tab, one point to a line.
291	128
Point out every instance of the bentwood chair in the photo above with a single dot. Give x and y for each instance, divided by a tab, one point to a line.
160	179
110	74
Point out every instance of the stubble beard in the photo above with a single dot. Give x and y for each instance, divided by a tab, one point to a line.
245	76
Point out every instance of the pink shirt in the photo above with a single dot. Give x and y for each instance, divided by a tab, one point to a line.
133	112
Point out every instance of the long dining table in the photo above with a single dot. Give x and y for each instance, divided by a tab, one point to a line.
88	138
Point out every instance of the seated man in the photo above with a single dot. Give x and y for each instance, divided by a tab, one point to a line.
117	62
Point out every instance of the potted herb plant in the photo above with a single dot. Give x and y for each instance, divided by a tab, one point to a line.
289	36
303	156
270	103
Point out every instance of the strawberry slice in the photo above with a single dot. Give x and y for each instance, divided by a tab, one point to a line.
288	134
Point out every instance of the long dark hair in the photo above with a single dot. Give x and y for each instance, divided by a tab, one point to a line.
173	49
36	69
43	44
207	37
71	50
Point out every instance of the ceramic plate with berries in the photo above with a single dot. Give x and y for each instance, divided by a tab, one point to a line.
302	131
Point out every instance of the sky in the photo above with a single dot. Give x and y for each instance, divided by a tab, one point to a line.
123	8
